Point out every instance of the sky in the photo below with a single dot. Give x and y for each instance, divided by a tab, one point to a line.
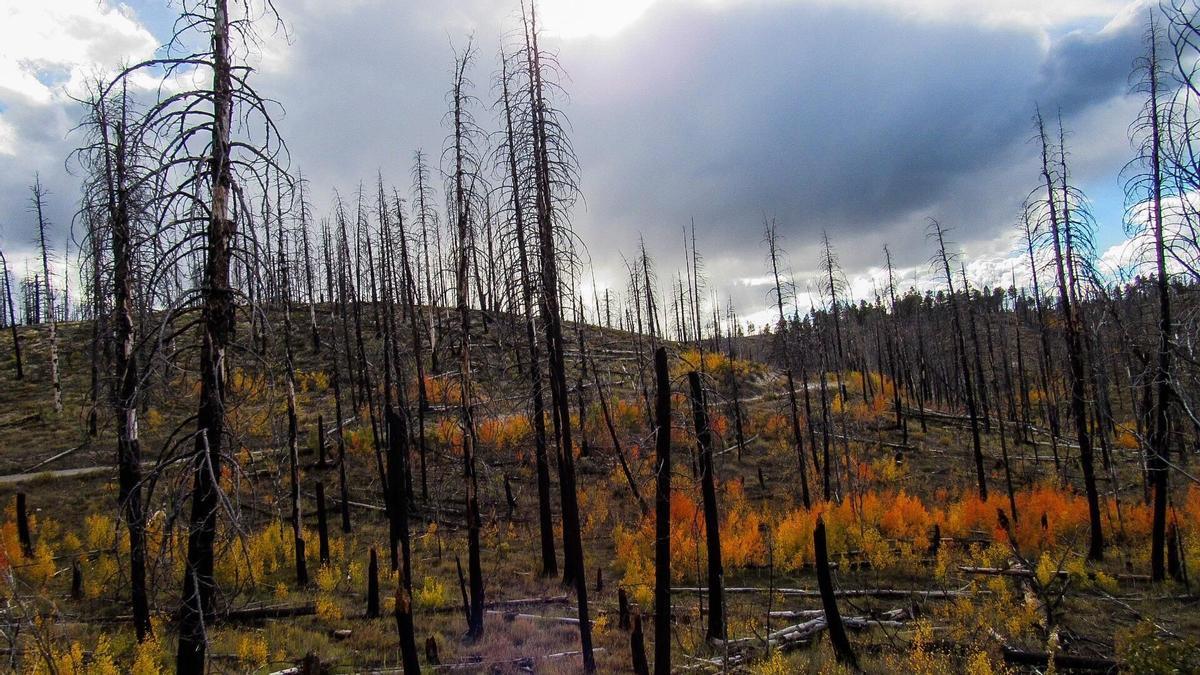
859	118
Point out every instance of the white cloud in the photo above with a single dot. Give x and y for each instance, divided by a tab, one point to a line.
8	138
49	49
50	46
581	18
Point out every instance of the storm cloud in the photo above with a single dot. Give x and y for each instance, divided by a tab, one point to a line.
863	119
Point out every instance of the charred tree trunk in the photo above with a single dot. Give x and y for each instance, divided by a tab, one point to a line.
662	513
837	631
538	414
218	325
462	289
712	530
573	565
12	320
774	252
1160	433
1075	361
961	348
125	367
398	534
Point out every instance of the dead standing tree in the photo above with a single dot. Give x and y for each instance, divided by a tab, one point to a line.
1076	370
712	530
555	181
119	196
942	259
462	178
774	253
38	205
1145	194
517	181
12	318
662	514
208	159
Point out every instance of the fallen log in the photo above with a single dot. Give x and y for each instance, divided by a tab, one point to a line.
512	604
805	630
1018	657
525	662
512	616
1022	572
54	457
887	593
245	614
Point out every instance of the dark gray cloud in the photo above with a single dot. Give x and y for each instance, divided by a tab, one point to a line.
827	118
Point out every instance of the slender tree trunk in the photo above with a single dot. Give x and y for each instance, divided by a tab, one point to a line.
573	566
125	366
1160	434
1075	361
797	438
961	345
538	415
12	320
662	513
464	244
218	324
712	530
52	319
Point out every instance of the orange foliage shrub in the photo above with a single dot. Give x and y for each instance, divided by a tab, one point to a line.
627	415
1125	438
741	539
447	433
441	390
503	433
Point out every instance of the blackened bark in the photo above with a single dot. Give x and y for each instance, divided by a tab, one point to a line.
712	530
662	513
538	414
218	326
373	585
1075	362
837	631
965	368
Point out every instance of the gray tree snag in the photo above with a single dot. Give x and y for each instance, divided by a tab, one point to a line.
38	203
464	243
1149	133
943	257
774	252
1074	354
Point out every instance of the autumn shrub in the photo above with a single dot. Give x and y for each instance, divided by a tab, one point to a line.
441	390
432	594
1144	650
717	365
505	433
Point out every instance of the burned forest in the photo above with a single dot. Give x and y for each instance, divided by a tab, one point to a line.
254	422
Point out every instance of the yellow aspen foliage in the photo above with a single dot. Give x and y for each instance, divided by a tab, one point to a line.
252	650
328	578
433	594
775	665
148	657
328	608
102	660
979	663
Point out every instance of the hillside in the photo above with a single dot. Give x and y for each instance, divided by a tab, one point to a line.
895	578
